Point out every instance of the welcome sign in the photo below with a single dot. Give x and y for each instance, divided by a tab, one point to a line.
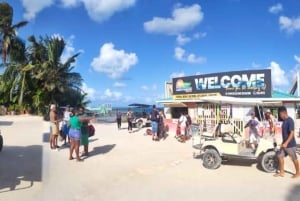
252	83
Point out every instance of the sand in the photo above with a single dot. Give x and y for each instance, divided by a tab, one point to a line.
124	167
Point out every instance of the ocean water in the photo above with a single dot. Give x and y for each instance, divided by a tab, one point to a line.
110	116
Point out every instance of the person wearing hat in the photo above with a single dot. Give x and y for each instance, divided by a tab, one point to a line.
253	131
271	121
54	127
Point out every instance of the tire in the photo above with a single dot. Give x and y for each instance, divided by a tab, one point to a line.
1	142
211	159
269	162
139	124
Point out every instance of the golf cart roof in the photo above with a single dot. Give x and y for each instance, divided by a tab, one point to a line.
139	105
231	100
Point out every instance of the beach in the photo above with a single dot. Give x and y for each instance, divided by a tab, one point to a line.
124	166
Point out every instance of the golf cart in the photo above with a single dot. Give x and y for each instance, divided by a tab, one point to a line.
225	144
141	117
1	142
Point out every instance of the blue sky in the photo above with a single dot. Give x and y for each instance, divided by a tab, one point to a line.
131	47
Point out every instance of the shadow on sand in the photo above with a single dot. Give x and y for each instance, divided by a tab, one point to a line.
6	123
294	193
46	137
101	150
20	167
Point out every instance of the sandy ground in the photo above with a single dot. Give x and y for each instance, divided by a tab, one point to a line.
124	167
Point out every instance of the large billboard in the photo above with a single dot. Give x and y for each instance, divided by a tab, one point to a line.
251	83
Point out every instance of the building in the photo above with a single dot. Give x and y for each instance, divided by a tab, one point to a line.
228	96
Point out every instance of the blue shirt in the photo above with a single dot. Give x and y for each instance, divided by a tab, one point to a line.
287	127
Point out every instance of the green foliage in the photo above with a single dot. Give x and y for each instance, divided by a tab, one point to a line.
34	75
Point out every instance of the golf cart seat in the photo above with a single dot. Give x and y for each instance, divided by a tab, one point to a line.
226	128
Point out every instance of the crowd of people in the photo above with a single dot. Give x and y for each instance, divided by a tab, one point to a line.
73	128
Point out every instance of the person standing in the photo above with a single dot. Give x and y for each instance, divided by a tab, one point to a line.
84	132
182	126
161	125
75	133
129	120
253	131
154	116
119	119
66	126
54	127
288	146
188	124
271	121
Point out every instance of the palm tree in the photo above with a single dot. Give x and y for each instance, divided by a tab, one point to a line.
52	75
8	31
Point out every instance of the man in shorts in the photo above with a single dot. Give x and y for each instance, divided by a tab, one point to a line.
54	127
253	131
288	146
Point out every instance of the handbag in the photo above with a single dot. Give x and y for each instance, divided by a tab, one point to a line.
91	130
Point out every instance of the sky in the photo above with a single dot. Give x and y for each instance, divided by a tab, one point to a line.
129	48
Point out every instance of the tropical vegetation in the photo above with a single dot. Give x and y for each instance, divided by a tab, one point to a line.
34	74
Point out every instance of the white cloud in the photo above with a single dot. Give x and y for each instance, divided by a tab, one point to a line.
109	94
91	92
154	87
200	35
297	58
182	39
256	65
32	7
69	3
113	62
275	9
180	55
290	25
145	88
119	84
101	10
177	74
279	77
69	49
98	10
183	19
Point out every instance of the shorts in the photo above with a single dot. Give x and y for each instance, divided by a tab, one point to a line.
65	130
75	134
54	129
254	138
291	151
154	127
84	140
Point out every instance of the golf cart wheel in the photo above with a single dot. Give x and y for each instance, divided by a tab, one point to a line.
1	142
211	159
139	124
269	162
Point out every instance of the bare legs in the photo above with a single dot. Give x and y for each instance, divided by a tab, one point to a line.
75	144
281	168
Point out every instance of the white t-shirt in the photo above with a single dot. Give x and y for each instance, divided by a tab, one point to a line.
182	121
67	116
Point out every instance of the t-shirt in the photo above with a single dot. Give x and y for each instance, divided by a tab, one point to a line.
154	115
287	127
119	115
182	120
67	115
75	123
84	125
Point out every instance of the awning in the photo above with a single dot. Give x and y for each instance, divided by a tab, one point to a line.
231	100
175	104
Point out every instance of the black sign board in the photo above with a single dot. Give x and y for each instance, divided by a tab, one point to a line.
250	84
